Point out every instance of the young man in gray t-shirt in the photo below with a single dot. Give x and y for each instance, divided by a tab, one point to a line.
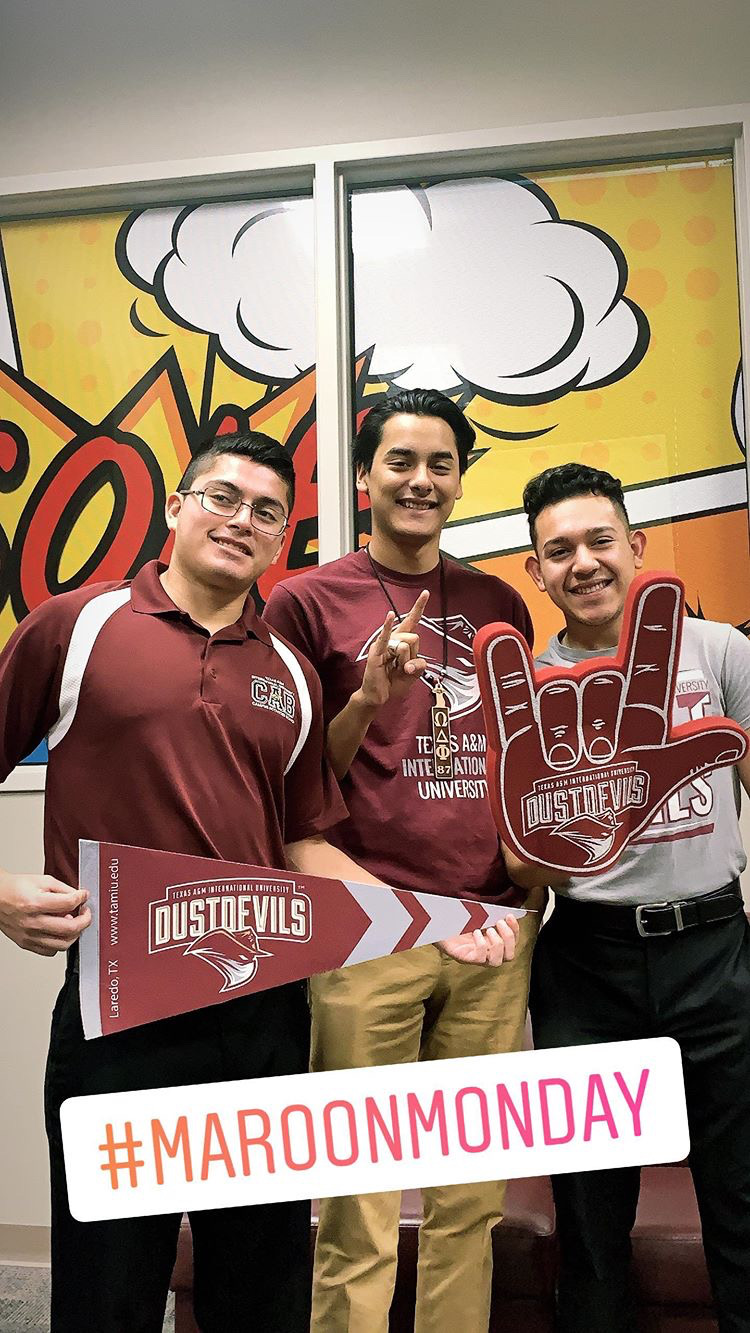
604	971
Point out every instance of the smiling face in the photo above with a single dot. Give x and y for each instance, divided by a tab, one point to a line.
413	482
585	559
226	554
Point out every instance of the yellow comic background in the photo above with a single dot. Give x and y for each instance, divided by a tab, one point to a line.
671	416
86	366
83	368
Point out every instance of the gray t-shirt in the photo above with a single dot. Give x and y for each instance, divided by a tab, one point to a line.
693	844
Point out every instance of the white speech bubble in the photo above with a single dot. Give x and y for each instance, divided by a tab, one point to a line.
357	1131
466	282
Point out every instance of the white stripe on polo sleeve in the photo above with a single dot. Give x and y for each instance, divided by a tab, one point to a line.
92	619
303	694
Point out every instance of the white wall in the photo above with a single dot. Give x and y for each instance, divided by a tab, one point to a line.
89	83
27	993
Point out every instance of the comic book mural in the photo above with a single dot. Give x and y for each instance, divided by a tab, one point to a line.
586	315
126	339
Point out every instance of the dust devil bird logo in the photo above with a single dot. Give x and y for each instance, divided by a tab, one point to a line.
595	836
234	956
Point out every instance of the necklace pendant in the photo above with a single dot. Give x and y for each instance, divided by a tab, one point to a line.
442	750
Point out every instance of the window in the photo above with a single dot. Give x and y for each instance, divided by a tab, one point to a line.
590	315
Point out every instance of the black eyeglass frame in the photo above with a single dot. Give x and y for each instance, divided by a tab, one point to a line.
241	504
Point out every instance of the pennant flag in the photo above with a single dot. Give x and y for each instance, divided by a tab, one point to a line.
172	933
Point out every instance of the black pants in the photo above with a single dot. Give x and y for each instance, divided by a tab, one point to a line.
251	1265
598	985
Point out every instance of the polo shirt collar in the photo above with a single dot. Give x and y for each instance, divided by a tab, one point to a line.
148	596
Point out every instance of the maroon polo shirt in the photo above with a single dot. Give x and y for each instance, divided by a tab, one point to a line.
161	734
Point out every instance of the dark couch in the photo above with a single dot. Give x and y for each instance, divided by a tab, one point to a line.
669	1265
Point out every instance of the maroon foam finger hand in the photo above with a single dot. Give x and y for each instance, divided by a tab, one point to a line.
508	689
506	676
559	721
601	701
650	660
580	760
711	745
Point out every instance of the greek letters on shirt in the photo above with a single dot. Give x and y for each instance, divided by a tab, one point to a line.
469	769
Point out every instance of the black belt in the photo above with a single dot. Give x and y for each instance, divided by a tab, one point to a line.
655	918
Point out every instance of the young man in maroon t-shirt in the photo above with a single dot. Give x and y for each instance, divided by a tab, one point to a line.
419	819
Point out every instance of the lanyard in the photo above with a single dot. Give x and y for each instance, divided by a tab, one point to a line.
440	716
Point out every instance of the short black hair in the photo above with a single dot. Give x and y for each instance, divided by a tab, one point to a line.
564	483
416	403
252	444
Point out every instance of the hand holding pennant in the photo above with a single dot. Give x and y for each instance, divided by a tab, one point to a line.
581	759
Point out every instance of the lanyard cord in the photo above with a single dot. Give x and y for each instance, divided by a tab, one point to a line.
443	603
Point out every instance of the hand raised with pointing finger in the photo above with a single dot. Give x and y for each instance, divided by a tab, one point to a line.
581	759
393	662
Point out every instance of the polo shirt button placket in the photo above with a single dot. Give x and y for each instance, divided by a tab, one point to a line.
204	666
208	673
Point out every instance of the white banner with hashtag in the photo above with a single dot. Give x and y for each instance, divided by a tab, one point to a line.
357	1131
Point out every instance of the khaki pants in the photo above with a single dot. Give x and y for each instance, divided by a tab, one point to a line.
414	1005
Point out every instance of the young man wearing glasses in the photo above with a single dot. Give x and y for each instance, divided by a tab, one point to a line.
421	820
143	690
157	738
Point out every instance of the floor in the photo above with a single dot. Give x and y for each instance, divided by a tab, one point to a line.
24	1301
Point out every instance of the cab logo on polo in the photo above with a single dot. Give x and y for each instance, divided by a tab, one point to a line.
229	923
271	694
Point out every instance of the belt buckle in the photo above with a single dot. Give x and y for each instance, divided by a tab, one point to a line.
646	907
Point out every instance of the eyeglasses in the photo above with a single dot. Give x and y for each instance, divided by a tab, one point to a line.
264	517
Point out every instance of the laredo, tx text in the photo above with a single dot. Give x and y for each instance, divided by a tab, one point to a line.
113	978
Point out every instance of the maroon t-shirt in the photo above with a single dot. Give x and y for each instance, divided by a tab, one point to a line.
162	735
413	830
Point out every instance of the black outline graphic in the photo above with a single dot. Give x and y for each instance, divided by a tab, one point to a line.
139	326
5	568
13	477
468	388
521	435
105	472
157	290
102	474
5	277
735	429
